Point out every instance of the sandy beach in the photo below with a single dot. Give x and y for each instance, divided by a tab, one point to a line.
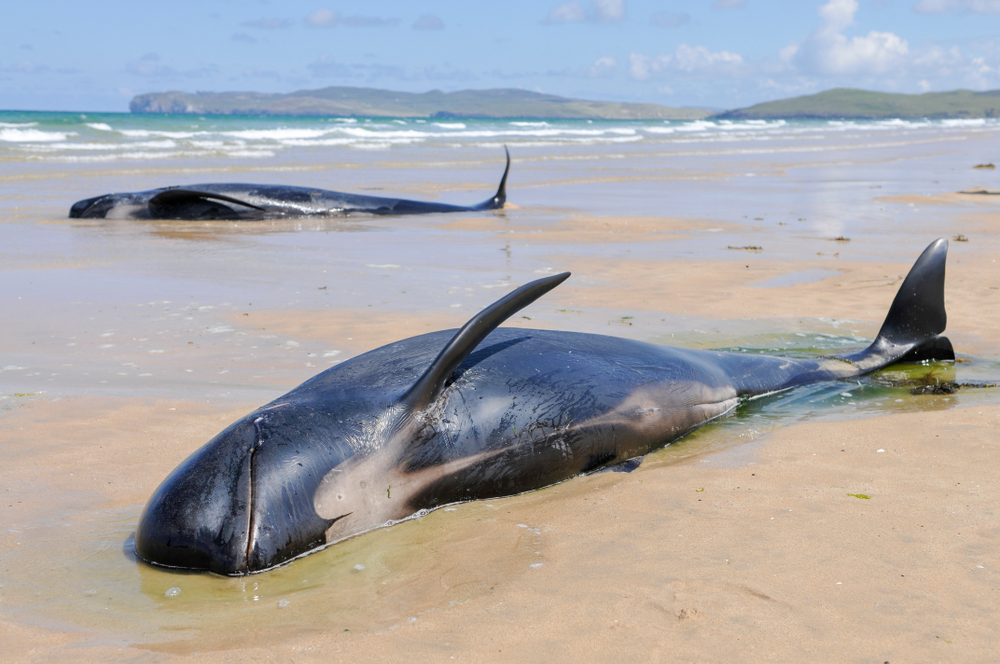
855	524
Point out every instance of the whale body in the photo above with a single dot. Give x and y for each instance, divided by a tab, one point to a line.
260	201
480	412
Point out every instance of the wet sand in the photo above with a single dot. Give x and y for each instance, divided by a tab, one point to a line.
865	531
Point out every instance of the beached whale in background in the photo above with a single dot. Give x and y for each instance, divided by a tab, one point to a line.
482	412
260	201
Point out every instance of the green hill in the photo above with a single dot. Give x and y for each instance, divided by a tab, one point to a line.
848	103
370	102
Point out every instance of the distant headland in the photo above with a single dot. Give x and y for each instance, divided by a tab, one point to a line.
373	103
851	104
839	103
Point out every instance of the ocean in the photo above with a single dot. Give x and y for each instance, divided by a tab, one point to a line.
114	137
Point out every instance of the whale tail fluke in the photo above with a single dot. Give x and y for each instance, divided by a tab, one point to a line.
500	197
916	319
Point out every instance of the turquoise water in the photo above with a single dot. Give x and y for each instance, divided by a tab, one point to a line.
108	137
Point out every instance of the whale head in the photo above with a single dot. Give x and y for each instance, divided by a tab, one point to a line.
243	502
92	208
340	454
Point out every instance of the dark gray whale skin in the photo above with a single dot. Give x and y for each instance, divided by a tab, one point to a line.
481	412
260	201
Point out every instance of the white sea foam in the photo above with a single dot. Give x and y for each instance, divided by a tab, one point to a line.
358	142
698	125
105	147
971	122
62	145
146	133
33	135
281	133
150	138
145	156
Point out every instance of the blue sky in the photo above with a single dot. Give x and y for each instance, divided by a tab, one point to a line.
62	55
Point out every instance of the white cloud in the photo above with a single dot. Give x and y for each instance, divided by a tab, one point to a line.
569	12
610	11
603	68
945	6
688	59
828	51
323	18
642	67
937	57
838	14
830	55
602	11
951	68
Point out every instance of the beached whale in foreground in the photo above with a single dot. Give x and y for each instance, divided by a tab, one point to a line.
259	201
482	412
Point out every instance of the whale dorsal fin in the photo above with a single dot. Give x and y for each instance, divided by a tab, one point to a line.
916	318
500	197
430	385
175	196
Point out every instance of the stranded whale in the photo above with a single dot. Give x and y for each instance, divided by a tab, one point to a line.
259	201
478	413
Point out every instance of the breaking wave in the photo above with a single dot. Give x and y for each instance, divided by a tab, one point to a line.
108	137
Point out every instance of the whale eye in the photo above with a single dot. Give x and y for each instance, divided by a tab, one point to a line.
340	496
363	485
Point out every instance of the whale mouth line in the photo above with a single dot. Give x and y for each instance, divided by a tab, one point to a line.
250	492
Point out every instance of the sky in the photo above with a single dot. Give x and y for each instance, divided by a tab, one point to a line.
720	54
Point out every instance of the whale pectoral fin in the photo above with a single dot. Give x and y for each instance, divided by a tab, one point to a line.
626	466
430	385
177	203
916	318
